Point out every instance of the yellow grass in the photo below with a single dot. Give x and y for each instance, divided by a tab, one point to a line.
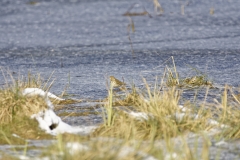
155	134
15	111
161	108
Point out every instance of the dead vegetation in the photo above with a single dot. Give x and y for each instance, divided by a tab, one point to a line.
147	116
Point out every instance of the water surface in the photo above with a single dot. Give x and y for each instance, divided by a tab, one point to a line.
84	42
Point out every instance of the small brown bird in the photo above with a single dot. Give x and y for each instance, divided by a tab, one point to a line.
211	11
193	80
115	82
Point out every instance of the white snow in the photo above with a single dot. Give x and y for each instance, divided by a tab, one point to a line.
49	121
39	92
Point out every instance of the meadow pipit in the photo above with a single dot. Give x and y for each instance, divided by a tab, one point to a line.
115	82
193	80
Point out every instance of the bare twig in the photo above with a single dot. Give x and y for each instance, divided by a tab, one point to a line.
157	7
129	28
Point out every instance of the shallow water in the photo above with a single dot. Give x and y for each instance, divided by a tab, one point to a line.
84	42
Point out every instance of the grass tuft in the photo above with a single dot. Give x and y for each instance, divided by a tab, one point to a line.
15	111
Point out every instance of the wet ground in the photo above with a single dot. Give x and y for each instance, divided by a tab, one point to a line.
84	42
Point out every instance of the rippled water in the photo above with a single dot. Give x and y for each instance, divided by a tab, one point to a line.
83	42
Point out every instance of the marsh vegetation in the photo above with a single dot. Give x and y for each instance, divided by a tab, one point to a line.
150	121
138	123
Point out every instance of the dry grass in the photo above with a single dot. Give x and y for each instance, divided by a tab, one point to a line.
15	111
162	135
13	104
161	108
154	133
196	81
229	114
74	147
161	117
23	127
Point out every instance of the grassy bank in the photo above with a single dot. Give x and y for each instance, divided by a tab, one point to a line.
16	109
150	123
138	123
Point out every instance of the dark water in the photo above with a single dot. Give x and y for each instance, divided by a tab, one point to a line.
84	42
